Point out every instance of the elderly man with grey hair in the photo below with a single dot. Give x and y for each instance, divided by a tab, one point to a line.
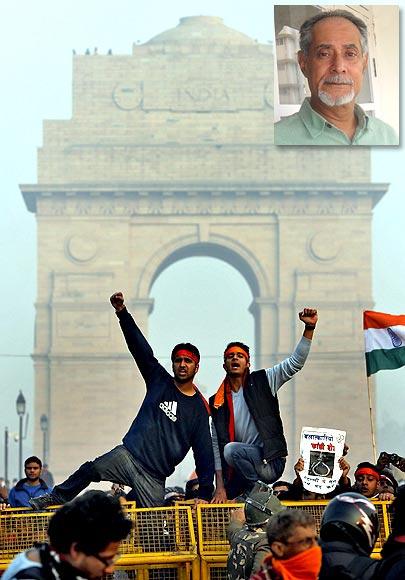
333	57
294	549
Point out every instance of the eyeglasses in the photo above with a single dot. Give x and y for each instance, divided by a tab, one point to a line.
306	543
106	561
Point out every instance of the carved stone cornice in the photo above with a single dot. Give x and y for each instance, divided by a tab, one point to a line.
130	199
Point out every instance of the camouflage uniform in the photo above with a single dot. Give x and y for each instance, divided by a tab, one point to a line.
249	547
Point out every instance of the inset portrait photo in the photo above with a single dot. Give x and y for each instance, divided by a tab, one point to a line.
336	75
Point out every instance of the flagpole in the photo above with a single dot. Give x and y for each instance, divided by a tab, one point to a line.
370	406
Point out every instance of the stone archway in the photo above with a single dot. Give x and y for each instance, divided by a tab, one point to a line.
170	148
226	249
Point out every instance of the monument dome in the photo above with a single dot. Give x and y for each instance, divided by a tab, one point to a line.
202	30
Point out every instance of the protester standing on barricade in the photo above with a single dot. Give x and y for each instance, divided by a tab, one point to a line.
349	530
247	431
173	417
295	554
84	537
31	486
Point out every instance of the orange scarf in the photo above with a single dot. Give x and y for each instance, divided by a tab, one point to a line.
304	566
224	389
223	392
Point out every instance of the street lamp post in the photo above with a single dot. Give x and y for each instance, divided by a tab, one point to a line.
20	405
44	428
6	455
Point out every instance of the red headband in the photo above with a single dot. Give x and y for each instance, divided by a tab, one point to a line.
233	349
367	471
188	354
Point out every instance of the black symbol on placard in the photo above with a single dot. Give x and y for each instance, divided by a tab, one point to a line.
321	464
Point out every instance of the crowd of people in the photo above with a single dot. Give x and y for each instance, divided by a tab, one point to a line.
270	541
237	436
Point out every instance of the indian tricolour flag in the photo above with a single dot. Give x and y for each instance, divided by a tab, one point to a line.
384	336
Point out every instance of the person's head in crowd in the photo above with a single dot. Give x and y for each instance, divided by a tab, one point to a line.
282	489
353	519
333	57
387	483
236	359
118	490
367	478
392	553
192	486
261	504
33	469
185	359
291	532
3	490
308	495
398	513
86	533
173	494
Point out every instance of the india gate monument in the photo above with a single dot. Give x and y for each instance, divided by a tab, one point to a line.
169	154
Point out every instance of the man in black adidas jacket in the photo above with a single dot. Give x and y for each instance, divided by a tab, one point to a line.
173	417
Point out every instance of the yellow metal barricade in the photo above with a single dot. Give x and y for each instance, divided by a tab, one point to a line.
212	525
163	543
159	532
19	530
153	572
213	545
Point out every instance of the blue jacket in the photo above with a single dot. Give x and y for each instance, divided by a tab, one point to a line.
168	422
22	492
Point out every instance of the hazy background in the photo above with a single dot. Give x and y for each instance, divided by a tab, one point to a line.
36	63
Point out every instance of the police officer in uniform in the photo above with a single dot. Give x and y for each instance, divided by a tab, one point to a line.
247	532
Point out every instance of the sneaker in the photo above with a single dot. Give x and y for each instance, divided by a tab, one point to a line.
44	501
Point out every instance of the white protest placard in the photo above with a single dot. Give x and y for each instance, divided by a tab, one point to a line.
321	450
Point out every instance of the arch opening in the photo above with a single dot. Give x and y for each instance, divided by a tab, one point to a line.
205	301
211	250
